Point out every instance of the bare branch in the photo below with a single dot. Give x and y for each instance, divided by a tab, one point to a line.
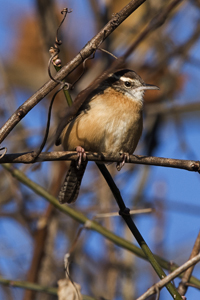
189	165
182	288
89	48
170	277
156	22
89	224
34	287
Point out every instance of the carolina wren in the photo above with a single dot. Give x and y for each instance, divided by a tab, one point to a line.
110	120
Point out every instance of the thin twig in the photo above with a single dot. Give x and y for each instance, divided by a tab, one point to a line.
34	287
170	277
116	214
4	149
28	285
182	288
37	153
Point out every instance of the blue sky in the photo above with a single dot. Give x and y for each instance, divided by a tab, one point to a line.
180	186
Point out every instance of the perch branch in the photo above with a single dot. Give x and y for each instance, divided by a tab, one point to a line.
189	165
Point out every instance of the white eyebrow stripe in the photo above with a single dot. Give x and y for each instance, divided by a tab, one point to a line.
127	79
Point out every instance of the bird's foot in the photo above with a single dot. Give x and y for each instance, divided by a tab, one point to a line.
126	157
81	156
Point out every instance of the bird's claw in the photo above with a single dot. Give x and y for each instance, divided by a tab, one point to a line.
81	156
125	157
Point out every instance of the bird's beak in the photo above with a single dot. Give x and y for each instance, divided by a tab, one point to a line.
147	87
150	87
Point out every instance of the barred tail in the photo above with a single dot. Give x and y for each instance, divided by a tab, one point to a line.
71	185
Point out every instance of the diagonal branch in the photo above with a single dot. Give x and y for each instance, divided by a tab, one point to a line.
156	22
125	213
87	50
89	224
35	287
170	277
182	288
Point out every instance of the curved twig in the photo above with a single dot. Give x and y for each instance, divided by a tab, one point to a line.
35	155
4	153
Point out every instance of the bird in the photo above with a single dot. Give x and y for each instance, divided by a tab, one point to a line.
110	120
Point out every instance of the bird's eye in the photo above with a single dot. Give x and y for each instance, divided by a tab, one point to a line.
127	83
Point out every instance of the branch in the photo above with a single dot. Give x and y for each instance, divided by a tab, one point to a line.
155	23
89	48
167	109
170	277
29	286
182	288
78	216
26	158
125	213
34	287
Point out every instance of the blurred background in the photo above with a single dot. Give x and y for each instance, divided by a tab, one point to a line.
168	58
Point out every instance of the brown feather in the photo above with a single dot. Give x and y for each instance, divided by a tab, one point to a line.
110	124
107	119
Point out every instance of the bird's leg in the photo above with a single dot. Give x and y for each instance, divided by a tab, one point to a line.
126	157
81	156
